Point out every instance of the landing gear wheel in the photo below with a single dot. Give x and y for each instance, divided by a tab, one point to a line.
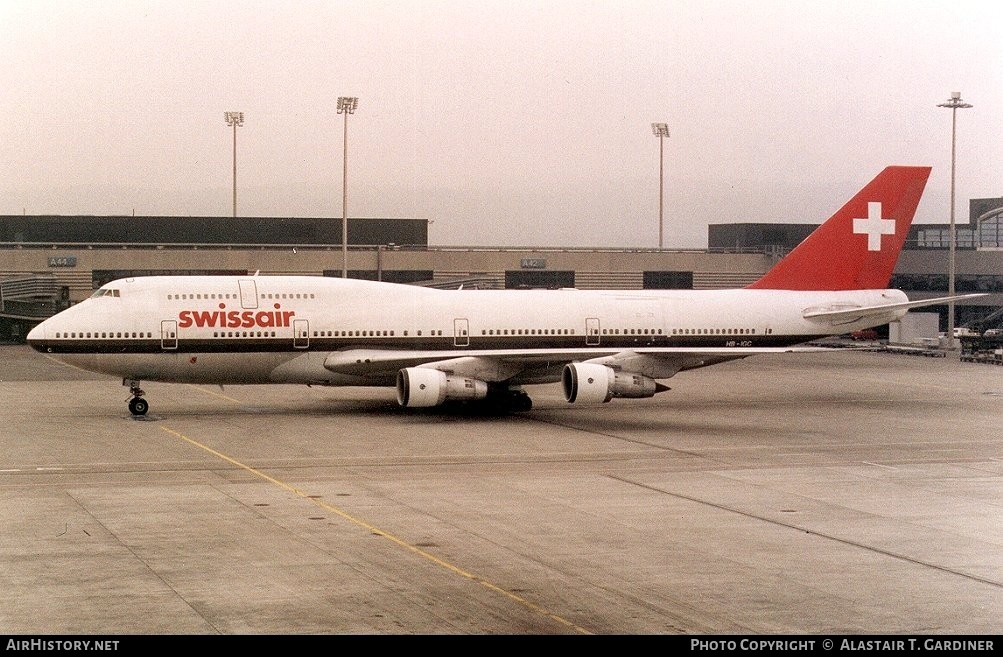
138	406
502	399
519	402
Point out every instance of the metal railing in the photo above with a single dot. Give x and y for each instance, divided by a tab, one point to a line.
194	246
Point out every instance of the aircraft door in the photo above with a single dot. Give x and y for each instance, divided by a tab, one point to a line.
301	333
248	294
169	334
592	331
461	333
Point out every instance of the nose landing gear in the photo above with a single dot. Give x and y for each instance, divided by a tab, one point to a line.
137	405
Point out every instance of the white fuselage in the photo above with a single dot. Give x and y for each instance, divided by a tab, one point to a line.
282	329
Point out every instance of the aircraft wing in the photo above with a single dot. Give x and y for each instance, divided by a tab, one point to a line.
505	364
848	314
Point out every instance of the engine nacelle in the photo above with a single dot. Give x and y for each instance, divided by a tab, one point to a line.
421	387
589	383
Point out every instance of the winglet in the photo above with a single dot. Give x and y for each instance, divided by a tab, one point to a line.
857	248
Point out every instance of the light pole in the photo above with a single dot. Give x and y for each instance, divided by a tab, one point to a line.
236	119
346	106
954	103
661	131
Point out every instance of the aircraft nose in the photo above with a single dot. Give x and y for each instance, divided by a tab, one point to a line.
37	334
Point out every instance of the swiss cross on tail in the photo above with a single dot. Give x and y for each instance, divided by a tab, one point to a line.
834	257
874	226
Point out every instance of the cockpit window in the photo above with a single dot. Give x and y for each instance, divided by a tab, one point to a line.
105	292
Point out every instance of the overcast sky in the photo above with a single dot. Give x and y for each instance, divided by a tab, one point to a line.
506	123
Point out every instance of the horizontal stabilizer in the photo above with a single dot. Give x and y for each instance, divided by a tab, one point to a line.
845	315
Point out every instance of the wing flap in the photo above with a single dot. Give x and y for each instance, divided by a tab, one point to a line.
504	364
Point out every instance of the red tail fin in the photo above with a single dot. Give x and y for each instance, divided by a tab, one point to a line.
857	248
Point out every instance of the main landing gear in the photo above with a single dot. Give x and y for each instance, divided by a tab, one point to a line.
507	399
518	401
500	400
137	405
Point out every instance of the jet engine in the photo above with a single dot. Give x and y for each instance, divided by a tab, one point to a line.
421	387
590	383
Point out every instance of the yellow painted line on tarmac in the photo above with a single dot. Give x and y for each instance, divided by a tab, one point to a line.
400	542
210	391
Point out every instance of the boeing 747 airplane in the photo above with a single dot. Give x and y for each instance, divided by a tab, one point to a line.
437	346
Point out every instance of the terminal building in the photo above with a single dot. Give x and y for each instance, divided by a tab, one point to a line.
48	262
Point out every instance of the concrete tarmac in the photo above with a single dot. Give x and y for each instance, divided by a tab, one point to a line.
837	493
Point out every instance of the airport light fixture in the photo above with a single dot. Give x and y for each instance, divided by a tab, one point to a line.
661	130
955	103
235	119
346	106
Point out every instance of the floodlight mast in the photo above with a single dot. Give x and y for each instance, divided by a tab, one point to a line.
955	103
235	119
661	130
346	106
